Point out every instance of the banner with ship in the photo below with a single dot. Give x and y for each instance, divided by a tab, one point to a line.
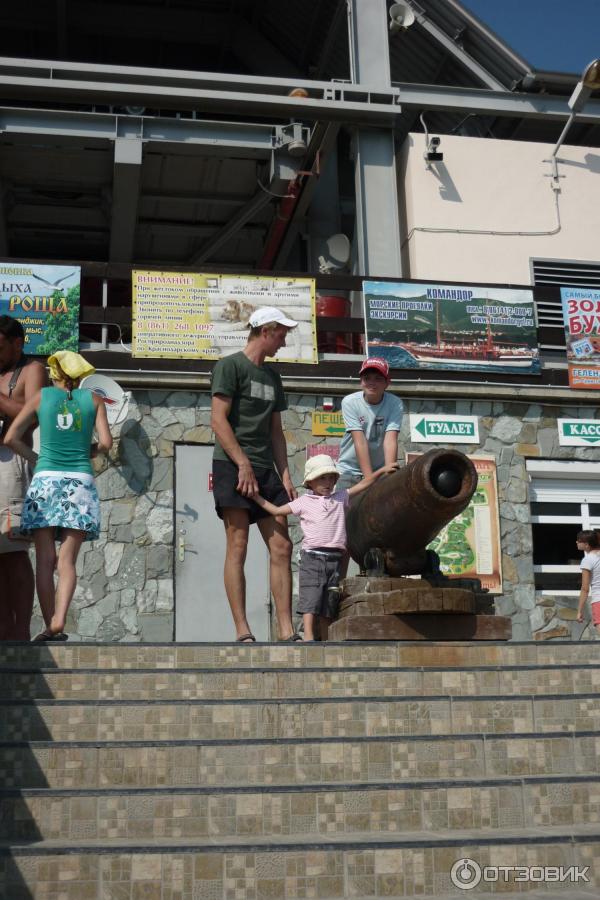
449	326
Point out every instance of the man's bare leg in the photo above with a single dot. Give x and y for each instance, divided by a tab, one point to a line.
20	585
237	525
274	532
308	620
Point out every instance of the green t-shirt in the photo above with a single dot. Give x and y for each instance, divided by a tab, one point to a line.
256	393
66	428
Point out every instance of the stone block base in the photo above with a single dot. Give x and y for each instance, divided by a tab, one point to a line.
421	627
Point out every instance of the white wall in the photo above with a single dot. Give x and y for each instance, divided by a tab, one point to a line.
493	185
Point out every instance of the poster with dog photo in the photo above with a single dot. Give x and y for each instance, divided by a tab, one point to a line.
189	315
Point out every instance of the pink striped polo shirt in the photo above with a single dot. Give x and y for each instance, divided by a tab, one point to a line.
322	520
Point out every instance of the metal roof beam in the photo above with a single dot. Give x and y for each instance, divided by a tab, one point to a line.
250	140
283	171
455	50
125	198
327	101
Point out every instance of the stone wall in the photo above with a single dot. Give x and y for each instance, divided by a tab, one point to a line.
125	591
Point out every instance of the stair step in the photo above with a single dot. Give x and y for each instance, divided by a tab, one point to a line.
331	717
296	770
380	654
292	811
365	866
282	683
396	759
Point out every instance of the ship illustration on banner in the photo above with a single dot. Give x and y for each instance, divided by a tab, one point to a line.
452	327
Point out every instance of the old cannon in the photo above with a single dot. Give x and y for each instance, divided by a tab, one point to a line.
390	525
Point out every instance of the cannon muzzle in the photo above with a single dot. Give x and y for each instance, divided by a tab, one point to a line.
401	513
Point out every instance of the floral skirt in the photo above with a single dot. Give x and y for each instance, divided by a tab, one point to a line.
62	500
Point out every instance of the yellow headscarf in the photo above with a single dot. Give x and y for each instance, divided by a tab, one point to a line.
71	364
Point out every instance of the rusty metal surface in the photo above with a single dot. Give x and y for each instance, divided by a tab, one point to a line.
401	513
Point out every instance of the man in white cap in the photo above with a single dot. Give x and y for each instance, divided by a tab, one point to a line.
20	379
250	458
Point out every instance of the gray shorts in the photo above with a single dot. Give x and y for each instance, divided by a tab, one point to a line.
346	480
14	481
319	573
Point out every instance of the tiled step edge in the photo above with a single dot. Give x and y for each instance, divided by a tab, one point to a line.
455	654
549	834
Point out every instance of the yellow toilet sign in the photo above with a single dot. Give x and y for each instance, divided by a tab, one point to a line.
328	424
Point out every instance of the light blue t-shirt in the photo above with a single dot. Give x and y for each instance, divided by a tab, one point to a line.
373	419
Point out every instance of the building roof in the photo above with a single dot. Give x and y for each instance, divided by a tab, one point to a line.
199	191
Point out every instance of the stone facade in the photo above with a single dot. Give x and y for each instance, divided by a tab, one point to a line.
125	590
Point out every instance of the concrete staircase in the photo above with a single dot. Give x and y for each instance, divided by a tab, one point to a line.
193	772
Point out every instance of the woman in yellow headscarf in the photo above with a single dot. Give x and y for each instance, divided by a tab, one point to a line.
62	494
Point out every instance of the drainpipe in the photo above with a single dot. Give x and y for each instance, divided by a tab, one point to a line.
285	212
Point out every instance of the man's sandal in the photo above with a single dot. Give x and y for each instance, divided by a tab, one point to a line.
293	637
246	638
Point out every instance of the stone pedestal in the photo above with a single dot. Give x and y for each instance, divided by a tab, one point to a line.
411	609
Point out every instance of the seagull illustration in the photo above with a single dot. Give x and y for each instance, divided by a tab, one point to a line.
55	284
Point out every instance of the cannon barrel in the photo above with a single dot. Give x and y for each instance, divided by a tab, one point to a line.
402	512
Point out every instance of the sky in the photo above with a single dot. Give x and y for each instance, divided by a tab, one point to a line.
558	35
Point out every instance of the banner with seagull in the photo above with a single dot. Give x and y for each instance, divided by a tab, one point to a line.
45	300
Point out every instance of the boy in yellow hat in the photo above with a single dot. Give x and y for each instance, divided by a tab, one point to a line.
322	514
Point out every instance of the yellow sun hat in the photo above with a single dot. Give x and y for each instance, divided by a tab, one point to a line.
67	362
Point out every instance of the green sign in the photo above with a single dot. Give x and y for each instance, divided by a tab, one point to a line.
578	432
444	429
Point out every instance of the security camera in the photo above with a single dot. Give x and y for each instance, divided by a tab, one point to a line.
433	153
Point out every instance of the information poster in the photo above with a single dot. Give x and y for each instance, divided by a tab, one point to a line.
452	327
332	450
581	314
185	315
469	545
45	300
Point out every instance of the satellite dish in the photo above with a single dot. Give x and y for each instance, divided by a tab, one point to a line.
115	398
335	253
402	16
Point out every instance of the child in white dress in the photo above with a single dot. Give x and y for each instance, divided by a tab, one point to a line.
589	542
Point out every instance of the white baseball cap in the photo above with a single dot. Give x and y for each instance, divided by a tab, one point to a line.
266	314
321	464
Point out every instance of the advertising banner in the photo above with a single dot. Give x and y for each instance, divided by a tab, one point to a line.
45	300
469	545
187	315
581	314
452	327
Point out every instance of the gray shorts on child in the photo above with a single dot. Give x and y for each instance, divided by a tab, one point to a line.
319	577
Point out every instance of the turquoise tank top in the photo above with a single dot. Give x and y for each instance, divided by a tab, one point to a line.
66	428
